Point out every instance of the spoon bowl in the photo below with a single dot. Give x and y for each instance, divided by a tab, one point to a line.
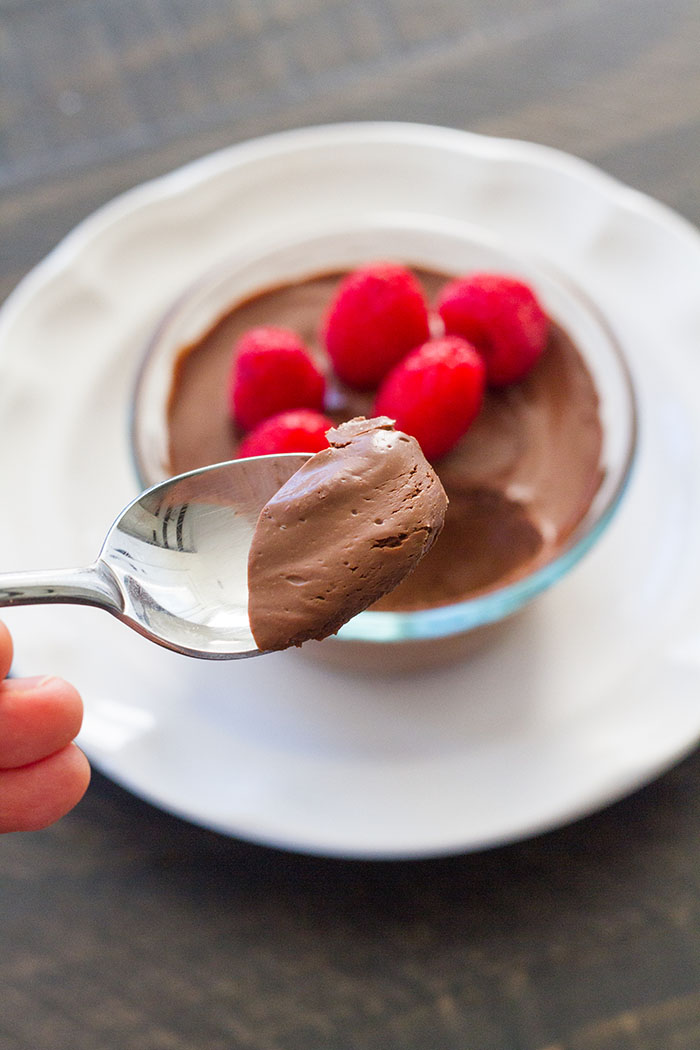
174	563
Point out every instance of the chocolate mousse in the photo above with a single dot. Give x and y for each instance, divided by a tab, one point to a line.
518	482
341	533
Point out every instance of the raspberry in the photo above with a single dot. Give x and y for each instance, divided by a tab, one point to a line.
435	393
300	430
377	315
272	372
501	317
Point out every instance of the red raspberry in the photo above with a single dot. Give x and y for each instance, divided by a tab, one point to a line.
377	315
272	371
501	317
435	393
298	431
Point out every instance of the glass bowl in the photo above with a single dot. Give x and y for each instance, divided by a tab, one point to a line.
373	638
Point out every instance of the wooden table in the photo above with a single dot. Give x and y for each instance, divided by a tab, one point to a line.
125	928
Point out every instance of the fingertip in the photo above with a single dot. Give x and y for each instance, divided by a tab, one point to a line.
36	796
57	692
6	651
38	717
79	770
68	772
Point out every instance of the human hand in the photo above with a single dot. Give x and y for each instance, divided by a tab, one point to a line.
42	773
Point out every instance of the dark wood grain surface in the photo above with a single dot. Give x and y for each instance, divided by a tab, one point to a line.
122	928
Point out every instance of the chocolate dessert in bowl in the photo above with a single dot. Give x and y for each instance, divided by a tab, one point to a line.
532	483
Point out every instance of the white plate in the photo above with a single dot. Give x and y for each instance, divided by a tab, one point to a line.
592	692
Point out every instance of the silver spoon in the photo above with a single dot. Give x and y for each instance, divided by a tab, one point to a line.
174	564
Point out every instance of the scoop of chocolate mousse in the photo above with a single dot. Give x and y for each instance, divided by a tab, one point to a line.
341	533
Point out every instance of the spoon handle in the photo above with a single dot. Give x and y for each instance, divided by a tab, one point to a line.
94	585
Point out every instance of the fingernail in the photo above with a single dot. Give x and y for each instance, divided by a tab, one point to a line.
26	685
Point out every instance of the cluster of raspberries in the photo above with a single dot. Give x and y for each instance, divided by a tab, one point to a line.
377	334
